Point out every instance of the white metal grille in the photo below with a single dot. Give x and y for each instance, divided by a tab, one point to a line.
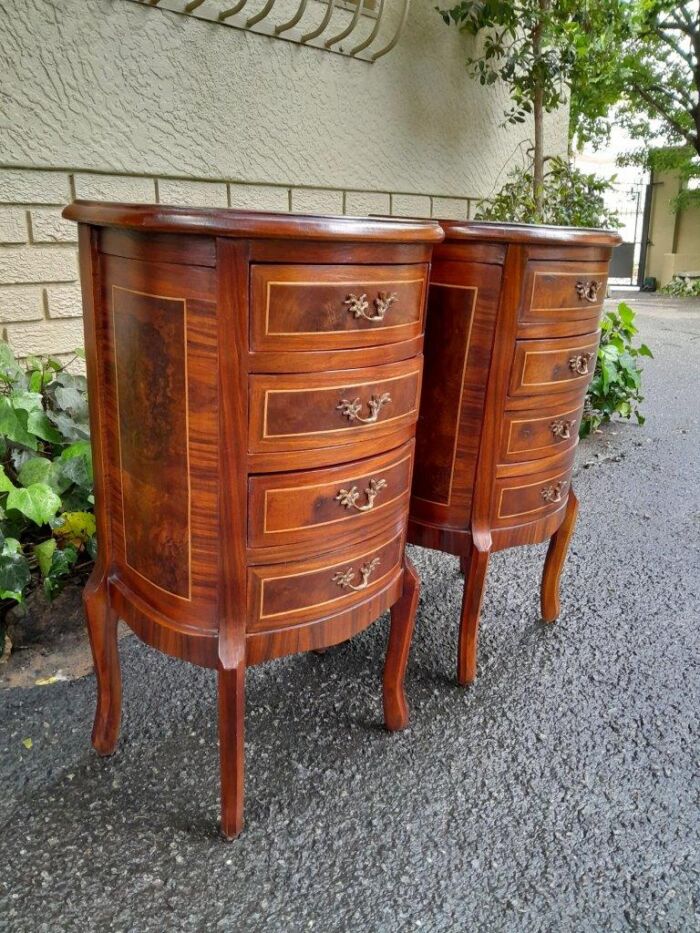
364	29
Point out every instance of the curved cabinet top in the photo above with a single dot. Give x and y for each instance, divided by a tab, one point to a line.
227	222
528	234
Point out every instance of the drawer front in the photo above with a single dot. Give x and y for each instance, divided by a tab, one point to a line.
339	505
289	594
329	307
547	430
301	411
544	366
564	291
520	500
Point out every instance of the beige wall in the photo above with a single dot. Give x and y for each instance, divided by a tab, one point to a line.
109	99
674	238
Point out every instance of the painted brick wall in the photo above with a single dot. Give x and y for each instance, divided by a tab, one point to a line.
40	308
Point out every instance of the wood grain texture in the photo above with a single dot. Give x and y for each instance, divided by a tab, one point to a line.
232	493
509	460
331	307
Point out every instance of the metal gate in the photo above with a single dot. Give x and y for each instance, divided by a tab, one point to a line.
632	203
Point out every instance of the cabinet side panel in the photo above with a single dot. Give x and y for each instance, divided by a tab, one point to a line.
151	382
462	306
160	364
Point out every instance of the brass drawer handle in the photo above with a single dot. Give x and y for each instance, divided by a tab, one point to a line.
588	291
348	497
562	429
351	410
554	492
359	306
344	578
580	364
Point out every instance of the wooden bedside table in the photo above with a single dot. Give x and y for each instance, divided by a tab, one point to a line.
510	347
254	389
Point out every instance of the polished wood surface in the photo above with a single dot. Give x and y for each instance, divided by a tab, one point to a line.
511	339
254	391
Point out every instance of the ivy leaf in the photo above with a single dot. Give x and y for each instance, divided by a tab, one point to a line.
645	351
38	502
39	424
75	528
36	470
44	553
62	562
6	484
13	424
14	575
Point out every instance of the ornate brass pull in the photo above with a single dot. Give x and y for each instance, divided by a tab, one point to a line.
554	492
561	428
588	291
348	497
579	364
344	578
351	410
359	306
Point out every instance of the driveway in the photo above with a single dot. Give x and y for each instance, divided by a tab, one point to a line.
560	793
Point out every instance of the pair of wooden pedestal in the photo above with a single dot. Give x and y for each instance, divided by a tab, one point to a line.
260	444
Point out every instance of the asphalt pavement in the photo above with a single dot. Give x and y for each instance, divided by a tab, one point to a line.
560	793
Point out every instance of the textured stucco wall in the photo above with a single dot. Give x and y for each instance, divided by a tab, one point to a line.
110	99
665	226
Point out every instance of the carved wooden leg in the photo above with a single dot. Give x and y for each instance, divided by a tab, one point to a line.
231	731
476	564
403	617
102	631
554	562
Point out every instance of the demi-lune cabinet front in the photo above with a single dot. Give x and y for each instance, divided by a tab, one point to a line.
254	390
512	334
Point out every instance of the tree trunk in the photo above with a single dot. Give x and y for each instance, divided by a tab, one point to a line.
538	115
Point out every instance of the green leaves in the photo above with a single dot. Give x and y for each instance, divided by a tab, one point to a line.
570	199
615	389
46	477
38	502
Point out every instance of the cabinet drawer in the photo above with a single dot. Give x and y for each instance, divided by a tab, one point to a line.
289	594
541	432
328	507
544	366
520	500
331	307
564	291
312	410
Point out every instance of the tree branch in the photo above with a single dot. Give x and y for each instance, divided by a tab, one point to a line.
672	121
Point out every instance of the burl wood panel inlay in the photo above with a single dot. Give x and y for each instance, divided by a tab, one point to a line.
450	311
151	381
334	306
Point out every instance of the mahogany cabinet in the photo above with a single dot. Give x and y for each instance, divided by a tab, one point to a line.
511	338
254	390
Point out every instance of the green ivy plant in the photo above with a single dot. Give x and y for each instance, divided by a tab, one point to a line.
571	199
682	286
47	525
617	382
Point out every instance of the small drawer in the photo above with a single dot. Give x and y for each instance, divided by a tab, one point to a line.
547	430
312	410
329	507
564	291
544	366
334	307
287	594
520	500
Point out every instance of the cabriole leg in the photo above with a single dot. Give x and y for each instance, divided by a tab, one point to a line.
403	617
231	755
102	631
554	562
475	564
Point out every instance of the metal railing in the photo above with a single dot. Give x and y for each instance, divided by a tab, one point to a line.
363	29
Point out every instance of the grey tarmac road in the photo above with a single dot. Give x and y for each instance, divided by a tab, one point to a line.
560	793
